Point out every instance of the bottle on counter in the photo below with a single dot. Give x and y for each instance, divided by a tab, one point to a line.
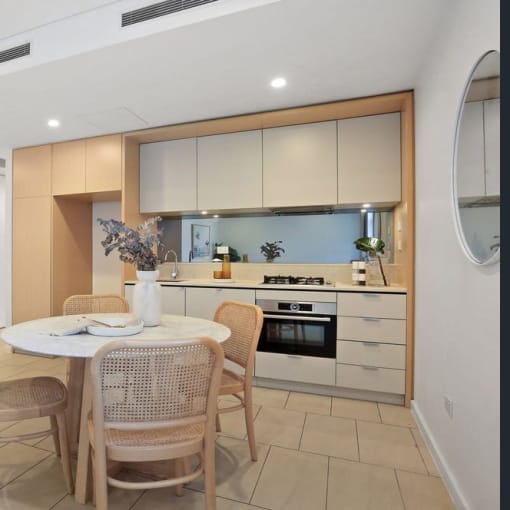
225	267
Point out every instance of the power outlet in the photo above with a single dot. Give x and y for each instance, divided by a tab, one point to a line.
448	405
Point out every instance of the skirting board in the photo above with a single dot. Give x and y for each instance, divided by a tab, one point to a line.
448	478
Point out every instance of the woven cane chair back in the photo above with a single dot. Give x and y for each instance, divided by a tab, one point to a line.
95	303
245	322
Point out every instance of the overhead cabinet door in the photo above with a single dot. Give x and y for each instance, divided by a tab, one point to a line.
168	176
369	160
300	165
230	171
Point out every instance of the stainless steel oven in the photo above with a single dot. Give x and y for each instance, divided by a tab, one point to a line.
302	328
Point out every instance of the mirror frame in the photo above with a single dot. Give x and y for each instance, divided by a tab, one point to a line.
495	257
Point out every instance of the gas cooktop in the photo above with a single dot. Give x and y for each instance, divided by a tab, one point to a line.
294	280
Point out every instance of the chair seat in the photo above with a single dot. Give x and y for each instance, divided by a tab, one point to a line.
33	397
231	382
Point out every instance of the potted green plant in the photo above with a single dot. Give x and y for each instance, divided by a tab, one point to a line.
271	250
373	247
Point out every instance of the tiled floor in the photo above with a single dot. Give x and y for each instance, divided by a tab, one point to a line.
315	452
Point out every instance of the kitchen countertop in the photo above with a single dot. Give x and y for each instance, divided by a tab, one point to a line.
256	284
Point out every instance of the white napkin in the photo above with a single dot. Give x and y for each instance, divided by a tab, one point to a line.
67	326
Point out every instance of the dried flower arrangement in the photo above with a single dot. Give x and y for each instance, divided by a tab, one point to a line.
135	245
271	250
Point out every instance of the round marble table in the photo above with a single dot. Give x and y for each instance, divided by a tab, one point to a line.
33	336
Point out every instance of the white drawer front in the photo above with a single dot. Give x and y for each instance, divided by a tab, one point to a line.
387	380
306	369
371	329
371	354
371	304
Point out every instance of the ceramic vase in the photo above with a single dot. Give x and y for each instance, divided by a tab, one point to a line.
147	298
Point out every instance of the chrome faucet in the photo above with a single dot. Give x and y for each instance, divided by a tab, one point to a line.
175	271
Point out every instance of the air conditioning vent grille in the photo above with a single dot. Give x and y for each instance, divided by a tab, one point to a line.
16	52
160	9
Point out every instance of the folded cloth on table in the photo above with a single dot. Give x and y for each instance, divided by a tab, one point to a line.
67	326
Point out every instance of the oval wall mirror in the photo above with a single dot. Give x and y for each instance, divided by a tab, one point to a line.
476	163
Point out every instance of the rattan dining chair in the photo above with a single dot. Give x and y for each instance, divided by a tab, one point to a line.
82	304
35	397
245	323
155	401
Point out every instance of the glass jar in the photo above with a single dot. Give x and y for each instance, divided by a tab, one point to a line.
225	268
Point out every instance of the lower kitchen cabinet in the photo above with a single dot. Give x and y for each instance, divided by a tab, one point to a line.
202	302
303	369
384	380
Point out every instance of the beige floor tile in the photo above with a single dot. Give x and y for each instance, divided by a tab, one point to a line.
359	409
423	492
27	426
8	371
329	435
280	427
269	397
45	444
357	486
396	415
236	473
292	480
307	403
39	488
17	458
429	461
417	437
118	499
389	445
233	424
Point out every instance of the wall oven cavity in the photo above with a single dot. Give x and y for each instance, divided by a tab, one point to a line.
298	328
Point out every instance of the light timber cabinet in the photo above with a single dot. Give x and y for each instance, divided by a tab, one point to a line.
168	176
230	171
369	160
371	345
300	165
87	166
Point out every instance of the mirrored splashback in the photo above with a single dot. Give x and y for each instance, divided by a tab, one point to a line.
326	238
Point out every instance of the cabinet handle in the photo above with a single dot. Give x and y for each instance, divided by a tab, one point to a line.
371	319
294	356
371	294
365	367
370	344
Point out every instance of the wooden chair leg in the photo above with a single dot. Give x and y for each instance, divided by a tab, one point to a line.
209	471
100	483
56	441
250	429
64	449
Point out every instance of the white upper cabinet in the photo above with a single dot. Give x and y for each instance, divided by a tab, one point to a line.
300	165
369	168
492	136
470	152
168	176
230	171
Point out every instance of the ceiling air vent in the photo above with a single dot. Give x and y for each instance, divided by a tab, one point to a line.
12	53
160	9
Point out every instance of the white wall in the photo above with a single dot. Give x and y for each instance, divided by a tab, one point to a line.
457	303
106	271
5	239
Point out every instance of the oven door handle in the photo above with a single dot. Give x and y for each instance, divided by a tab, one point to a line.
298	317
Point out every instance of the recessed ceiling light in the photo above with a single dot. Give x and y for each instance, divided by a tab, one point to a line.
365	206
363	210
204	212
53	123
278	83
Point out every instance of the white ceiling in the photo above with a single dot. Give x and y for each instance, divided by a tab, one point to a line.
327	49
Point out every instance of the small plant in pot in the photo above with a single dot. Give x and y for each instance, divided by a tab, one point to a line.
373	247
271	250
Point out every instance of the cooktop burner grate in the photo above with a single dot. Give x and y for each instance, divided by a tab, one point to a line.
293	280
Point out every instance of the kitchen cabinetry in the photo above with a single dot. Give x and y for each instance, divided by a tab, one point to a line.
369	168
87	166
300	165
371	345
478	150
230	171
168	176
32	172
202	302
173	299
